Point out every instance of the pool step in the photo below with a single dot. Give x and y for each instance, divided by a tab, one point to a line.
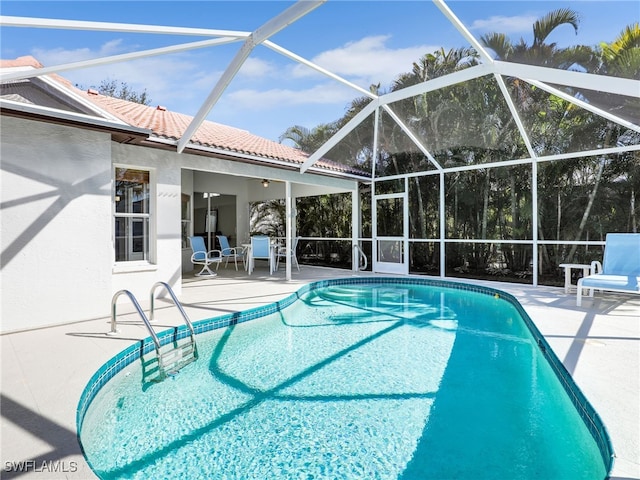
177	358
157	368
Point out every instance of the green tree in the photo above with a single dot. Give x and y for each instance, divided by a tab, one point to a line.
540	51
267	218
309	140
118	89
621	58
470	124
325	215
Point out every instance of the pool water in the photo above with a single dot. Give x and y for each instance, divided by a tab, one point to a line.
351	382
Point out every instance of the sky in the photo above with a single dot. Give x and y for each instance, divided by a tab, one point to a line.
366	42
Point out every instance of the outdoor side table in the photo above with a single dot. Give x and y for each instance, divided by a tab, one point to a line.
586	270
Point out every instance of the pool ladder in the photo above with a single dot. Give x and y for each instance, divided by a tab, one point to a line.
359	258
169	361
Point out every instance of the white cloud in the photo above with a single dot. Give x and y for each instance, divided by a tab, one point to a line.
262	89
177	81
368	60
502	24
257	68
181	80
59	56
319	94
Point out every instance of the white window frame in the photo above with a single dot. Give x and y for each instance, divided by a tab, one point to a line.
186	224
150	216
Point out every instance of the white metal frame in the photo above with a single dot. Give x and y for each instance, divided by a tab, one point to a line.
378	266
540	77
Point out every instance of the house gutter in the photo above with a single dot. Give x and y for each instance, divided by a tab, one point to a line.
61	117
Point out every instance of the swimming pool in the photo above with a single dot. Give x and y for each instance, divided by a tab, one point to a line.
353	378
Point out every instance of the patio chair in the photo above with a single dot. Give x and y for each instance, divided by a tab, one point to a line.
282	252
620	267
230	252
200	256
261	249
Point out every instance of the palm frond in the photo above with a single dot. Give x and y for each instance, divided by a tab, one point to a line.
552	20
499	43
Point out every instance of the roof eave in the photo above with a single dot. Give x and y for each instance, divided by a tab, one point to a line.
204	150
121	132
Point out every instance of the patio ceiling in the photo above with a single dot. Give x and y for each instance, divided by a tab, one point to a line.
387	109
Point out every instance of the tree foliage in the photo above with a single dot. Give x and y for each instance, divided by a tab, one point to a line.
119	89
471	124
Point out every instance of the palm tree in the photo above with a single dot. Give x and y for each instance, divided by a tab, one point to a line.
546	116
309	140
267	218
560	126
320	216
540	52
426	115
621	58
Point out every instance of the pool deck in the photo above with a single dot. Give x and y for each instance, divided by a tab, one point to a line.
44	371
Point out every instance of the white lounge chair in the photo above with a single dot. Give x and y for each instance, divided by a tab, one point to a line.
200	256
620	268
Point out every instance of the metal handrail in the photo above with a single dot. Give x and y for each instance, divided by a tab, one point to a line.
175	301
357	250
155	338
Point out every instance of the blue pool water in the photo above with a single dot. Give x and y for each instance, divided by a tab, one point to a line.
352	381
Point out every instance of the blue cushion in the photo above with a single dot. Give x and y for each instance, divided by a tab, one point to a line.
616	282
622	254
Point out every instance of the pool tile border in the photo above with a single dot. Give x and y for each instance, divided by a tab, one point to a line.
129	355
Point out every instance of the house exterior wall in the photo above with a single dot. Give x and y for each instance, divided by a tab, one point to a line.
57	224
57	251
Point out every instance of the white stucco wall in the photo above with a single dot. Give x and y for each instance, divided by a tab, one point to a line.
56	223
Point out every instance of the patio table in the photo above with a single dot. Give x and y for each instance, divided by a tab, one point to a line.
586	270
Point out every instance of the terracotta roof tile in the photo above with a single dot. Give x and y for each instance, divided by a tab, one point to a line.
166	124
26	61
171	125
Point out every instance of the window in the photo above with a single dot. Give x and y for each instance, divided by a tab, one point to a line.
186	219
132	198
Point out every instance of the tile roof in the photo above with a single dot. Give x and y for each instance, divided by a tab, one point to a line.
26	61
169	125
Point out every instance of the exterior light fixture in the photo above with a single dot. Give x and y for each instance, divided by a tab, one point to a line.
265	183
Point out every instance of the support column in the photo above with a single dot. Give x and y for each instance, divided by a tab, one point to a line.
289	225
355	229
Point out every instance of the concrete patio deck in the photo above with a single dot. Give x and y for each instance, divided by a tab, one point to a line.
44	371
